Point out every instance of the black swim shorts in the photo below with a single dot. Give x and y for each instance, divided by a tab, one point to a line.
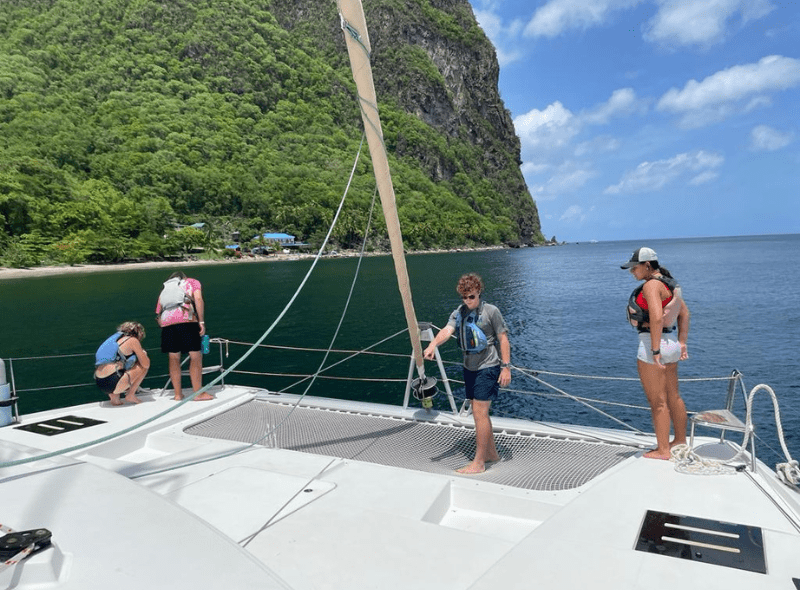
183	337
109	384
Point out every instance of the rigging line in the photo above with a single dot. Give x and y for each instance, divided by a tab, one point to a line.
610	438
269	330
588	405
338	327
604	378
355	354
302	349
222	375
328	377
587	399
92	384
39	358
779	505
246	541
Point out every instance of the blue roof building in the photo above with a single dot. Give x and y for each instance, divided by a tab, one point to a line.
283	239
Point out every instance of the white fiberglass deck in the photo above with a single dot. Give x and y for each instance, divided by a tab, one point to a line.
528	461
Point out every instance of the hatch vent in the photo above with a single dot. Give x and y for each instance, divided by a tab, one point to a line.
59	425
699	539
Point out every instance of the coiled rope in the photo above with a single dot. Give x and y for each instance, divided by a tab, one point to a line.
687	461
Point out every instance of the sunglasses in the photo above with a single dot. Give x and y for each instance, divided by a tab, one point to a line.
468	297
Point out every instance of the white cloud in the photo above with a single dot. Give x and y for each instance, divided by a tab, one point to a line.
598	145
557	16
500	34
548	129
530	169
722	94
545	132
704	177
622	102
698	167
568	178
767	139
700	22
573	214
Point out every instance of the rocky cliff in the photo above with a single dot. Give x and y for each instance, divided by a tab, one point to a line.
432	60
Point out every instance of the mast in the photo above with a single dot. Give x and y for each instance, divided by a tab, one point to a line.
354	26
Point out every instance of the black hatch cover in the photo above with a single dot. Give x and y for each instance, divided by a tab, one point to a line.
699	539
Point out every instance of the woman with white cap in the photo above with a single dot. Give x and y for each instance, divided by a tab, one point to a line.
657	310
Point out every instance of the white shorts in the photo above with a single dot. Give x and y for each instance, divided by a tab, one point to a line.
670	348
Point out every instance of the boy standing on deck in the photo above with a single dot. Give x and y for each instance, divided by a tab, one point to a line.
483	338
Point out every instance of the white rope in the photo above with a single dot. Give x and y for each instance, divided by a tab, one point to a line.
19	556
689	462
788	472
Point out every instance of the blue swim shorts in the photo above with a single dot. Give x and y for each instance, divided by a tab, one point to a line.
482	385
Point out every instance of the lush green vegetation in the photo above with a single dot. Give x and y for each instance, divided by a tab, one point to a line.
122	119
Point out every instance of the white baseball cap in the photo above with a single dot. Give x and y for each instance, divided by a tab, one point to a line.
641	255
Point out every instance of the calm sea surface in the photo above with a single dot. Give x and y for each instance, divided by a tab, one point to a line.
564	307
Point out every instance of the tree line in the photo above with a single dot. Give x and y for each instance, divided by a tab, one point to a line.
123	121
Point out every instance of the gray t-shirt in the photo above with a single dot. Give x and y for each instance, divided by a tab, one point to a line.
491	321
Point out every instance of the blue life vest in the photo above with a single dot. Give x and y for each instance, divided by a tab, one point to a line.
109	352
471	338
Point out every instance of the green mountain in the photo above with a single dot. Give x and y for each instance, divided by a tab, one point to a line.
122	119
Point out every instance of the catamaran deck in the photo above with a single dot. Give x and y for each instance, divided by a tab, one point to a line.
321	503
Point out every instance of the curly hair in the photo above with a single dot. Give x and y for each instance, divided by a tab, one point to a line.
468	283
134	329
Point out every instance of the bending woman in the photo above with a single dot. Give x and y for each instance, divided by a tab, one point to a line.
121	363
656	308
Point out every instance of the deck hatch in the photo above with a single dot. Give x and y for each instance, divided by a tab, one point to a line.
59	425
698	539
529	462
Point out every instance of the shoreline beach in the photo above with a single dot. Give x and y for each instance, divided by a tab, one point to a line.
43	271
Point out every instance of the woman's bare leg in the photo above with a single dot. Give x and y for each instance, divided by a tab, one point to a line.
653	380
677	409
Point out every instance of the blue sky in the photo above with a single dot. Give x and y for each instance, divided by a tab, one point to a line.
654	118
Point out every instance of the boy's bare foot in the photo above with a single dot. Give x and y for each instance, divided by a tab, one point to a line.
654	454
178	397
205	396
471	469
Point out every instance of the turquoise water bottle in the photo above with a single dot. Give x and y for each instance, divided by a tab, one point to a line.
206	344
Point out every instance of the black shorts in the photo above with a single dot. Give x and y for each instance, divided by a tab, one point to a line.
181	337
109	384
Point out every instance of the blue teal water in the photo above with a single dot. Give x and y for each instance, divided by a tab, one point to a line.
564	306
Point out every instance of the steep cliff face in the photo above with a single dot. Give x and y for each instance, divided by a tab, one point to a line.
433	61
